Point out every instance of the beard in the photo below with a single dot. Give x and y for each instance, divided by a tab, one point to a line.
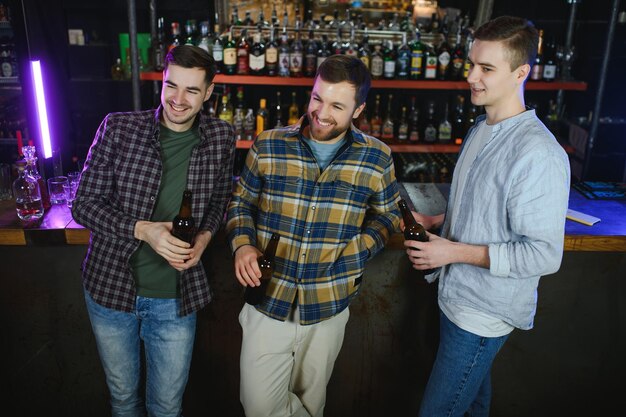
326	134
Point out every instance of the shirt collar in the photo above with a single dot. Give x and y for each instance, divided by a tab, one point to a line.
511	121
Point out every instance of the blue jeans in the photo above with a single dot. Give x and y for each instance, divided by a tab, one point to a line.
460	382
168	344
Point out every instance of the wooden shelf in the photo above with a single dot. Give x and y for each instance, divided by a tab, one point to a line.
391	84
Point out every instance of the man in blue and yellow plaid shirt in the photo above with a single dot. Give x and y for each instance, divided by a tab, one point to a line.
330	192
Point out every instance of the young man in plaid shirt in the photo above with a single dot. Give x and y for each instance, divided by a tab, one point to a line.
141	283
330	192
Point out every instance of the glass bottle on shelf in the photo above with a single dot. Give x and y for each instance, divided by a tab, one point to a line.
470	117
283	55
296	54
443	57
176	40
27	193
536	73
310	56
549	67
469	40
226	110
445	128
389	58
378	63
205	40
117	70
322	52
238	123
430	130
403	60
430	64
30	155
243	54
417	56
190	31
249	125
364	51
414	135
262	117
230	55
294	111
458	121
278	112
403	127
218	47
457	58
363	124
257	56
376	123
158	48
388	125
271	55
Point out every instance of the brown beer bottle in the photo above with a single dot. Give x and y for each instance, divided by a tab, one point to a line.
254	295
184	227
412	229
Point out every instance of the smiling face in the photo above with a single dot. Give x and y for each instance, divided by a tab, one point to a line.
492	82
331	110
183	93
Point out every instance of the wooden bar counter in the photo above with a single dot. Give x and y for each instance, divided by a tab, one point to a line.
609	235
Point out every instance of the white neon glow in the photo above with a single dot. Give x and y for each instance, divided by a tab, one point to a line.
42	111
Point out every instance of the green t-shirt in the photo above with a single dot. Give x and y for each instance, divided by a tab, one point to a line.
154	277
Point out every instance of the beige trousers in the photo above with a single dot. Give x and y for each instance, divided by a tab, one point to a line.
285	366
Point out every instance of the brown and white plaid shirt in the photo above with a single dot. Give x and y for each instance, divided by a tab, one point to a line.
119	186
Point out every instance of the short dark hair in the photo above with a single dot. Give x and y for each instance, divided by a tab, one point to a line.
339	68
188	56
518	35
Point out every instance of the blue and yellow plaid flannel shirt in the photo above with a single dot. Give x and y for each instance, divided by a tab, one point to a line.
330	222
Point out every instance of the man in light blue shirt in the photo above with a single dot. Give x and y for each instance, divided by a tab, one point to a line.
503	228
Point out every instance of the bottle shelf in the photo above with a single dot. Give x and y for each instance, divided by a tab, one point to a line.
408	148
390	84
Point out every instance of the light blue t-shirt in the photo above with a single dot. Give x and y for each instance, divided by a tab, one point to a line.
324	152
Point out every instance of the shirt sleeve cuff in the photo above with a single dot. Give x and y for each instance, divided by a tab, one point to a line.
499	264
240	241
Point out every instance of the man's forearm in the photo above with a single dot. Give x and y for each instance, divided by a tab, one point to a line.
470	254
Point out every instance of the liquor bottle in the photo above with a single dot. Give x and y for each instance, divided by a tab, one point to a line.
278	112
364	51
394	25
310	56
469	40
257	56
376	122
183	225
552	118
254	295
430	69
230	55
403	127
443	57
30	155
158	47
414	135
430	130
261	22
175	36
285	16
226	110
205	42
363	124
309	23
412	229
234	20
274	17
350	47
434	23
218	48
240	98
296	56
262	117
378	63
458	121
297	23
457	58
388	125
271	55
322	52
470	117
389	58
445	128
417	56
549	67
247	21
238	123
117	70
536	73
283	55
406	25
403	61
294	111
243	54
190	31
249	125
334	23
335	47
27	193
